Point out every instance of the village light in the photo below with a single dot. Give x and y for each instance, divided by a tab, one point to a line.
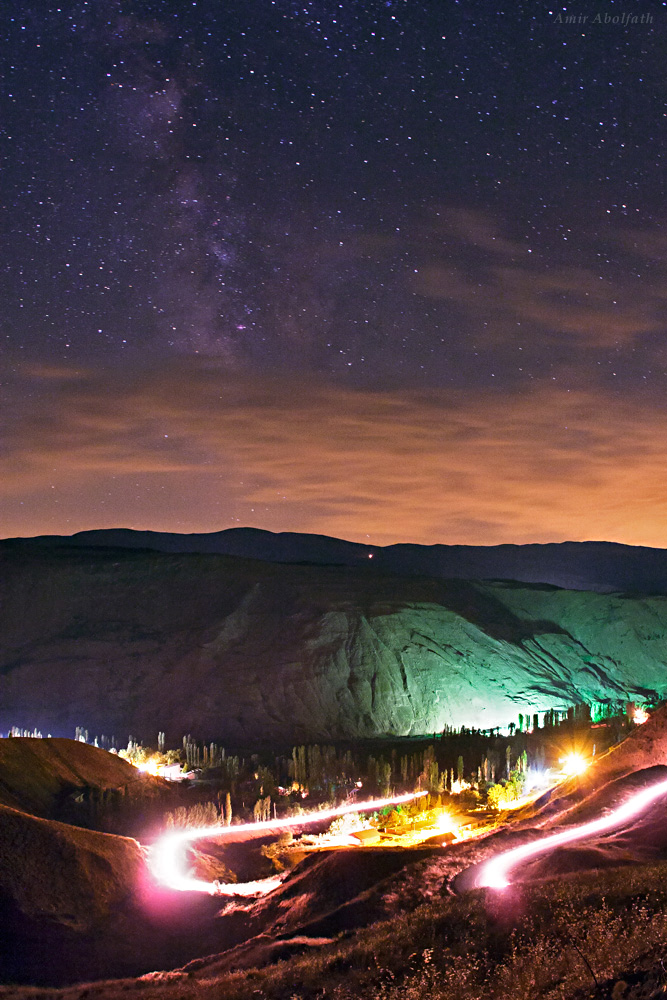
537	780
150	766
167	855
573	763
446	824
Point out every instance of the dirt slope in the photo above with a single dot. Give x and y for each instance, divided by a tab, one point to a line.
63	891
41	776
73	899
76	904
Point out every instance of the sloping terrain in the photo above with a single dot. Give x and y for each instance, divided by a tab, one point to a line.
48	777
62	891
600	566
131	641
72	900
368	922
404	935
326	895
637	763
639	760
77	904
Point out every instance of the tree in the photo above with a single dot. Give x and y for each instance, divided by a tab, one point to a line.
384	776
495	796
514	786
393	819
486	770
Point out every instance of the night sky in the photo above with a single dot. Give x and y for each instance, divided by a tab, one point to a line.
392	271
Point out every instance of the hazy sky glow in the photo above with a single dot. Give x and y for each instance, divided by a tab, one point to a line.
386	271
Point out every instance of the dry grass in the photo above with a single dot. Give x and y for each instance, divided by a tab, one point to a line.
566	939
35	772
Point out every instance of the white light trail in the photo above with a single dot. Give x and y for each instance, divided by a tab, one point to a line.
167	856
495	872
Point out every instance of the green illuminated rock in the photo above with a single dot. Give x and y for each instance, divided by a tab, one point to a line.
125	641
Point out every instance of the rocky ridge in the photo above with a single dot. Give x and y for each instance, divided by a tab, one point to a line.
238	650
592	565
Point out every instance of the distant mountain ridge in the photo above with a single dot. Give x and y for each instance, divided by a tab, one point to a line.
604	567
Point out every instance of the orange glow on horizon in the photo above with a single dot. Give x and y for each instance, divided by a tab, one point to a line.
376	467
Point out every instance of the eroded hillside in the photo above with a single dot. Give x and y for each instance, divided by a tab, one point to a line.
132	641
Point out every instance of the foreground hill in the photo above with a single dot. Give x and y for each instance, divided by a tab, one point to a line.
237	650
70	781
77	903
63	893
365	923
60	778
599	566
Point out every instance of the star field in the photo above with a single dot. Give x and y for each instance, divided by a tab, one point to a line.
407	225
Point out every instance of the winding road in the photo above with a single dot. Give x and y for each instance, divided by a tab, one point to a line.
494	874
168	856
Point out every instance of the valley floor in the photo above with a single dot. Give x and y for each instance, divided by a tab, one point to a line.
588	919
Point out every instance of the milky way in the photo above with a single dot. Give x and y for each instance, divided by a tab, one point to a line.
374	250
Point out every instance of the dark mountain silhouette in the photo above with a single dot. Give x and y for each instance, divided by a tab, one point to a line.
599	566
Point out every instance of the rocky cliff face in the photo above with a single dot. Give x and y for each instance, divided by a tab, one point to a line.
129	641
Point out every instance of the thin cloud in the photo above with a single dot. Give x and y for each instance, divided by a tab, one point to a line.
193	448
514	289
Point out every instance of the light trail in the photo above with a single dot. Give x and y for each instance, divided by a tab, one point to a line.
167	856
494	873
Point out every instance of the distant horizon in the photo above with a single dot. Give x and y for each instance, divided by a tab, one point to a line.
389	272
191	447
319	534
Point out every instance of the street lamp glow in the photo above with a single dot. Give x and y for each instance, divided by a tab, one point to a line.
446	824
573	763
